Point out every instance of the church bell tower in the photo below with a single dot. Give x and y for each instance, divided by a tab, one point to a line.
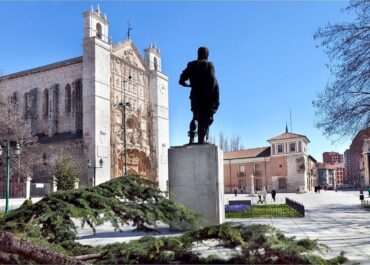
158	84
96	94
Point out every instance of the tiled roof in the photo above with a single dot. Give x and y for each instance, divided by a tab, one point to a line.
287	135
43	68
249	153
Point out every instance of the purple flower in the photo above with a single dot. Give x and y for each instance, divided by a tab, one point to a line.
237	208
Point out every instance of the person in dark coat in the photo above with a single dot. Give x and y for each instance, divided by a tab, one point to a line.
204	94
273	194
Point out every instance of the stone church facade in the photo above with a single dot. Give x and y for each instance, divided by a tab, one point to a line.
75	107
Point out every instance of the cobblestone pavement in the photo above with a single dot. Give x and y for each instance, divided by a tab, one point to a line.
333	218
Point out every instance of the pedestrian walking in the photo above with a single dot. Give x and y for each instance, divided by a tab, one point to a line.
236	191
273	194
264	194
259	196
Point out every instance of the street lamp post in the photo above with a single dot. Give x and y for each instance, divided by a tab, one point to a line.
89	165
123	105
17	151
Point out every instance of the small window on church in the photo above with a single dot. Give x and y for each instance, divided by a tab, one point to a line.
155	63
68	99
46	104
98	31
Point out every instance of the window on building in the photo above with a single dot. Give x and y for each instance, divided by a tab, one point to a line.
292	147
98	31
241	171
258	184
14	98
280	148
242	183
282	183
45	107
68	99
257	170
155	63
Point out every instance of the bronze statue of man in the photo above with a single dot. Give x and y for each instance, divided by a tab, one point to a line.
204	95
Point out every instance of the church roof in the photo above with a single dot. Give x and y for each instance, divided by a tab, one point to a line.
288	135
43	68
122	45
249	153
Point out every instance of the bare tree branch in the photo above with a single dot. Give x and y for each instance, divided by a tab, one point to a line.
343	108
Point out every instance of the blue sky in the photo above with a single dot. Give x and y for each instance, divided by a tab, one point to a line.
265	57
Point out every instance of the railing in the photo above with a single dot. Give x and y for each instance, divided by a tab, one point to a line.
40	189
16	190
365	203
241	174
257	173
295	205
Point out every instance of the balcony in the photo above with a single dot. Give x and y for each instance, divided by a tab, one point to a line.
257	173
241	174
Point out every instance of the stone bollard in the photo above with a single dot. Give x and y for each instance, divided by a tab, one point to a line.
55	187
28	187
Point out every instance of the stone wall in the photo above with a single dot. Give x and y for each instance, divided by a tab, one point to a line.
38	160
30	89
297	173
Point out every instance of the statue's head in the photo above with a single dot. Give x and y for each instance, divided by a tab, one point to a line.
203	53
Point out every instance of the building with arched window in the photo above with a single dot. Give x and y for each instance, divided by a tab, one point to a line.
75	108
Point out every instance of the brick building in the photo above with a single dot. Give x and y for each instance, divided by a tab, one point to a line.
284	165
359	154
337	160
326	175
347	167
75	107
332	157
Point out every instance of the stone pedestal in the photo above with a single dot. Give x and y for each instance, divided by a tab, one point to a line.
196	180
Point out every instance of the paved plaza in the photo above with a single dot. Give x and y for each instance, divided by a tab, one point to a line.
333	218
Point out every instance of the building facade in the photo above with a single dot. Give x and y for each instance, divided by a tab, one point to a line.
359	153
88	107
347	167
332	157
283	166
326	175
337	160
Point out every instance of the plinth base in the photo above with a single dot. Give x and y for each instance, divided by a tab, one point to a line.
196	180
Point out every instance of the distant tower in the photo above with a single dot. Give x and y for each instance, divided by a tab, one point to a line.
96	94
158	84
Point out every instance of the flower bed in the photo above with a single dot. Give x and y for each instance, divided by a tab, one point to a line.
262	211
237	208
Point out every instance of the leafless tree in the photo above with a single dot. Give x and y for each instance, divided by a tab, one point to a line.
235	143
343	108
15	127
225	145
